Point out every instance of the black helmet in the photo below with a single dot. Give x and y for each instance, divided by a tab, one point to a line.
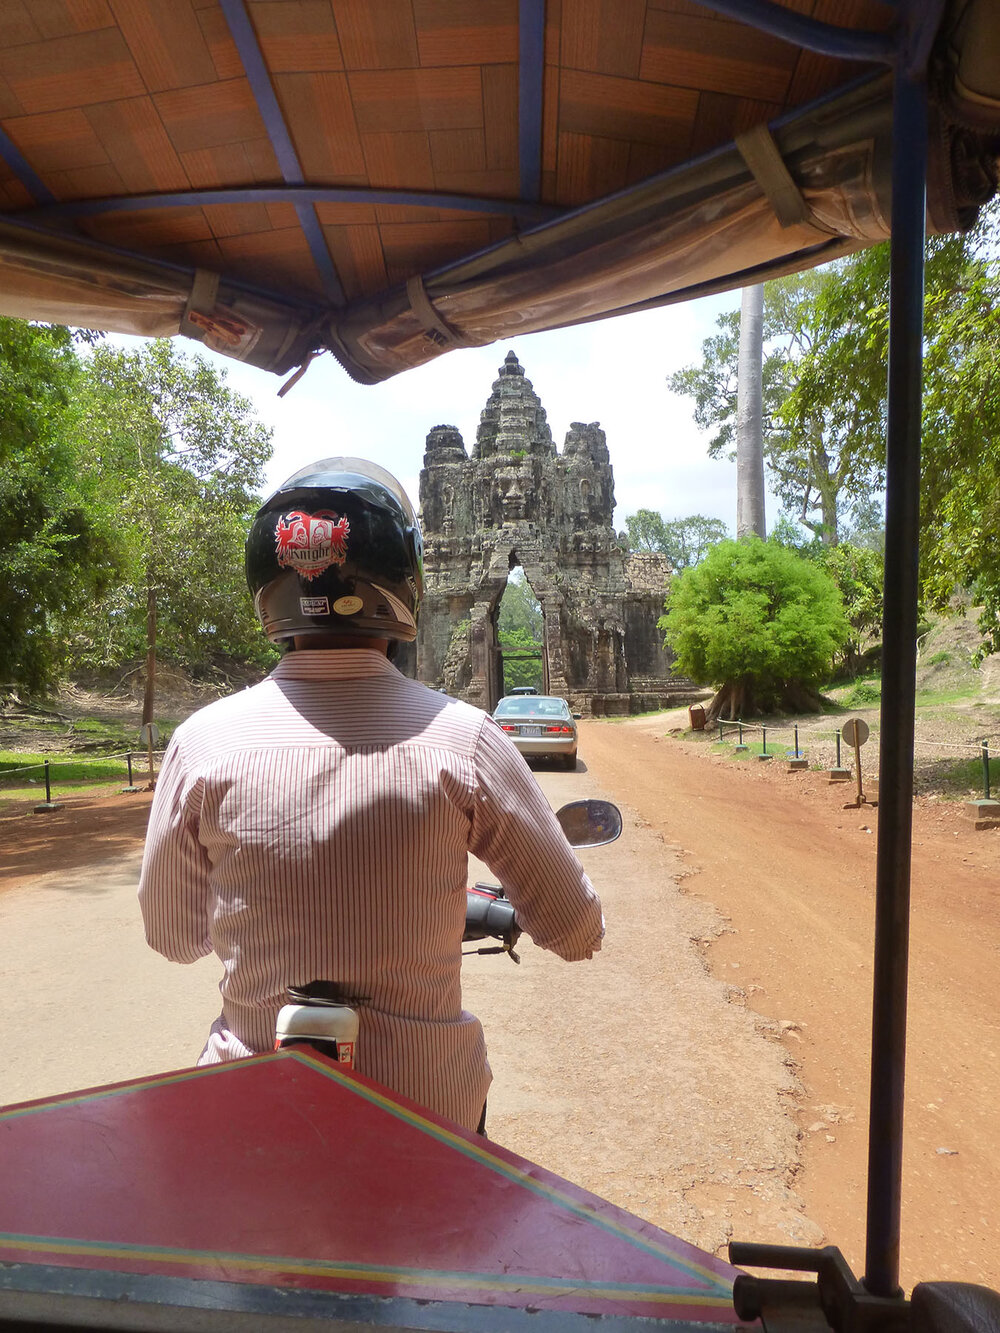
337	549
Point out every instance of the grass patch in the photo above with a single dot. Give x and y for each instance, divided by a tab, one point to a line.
68	770
942	698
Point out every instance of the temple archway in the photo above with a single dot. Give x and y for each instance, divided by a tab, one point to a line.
517	501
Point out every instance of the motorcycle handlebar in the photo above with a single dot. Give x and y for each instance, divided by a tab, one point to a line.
489	915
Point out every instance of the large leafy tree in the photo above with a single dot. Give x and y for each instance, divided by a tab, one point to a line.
684	541
960	492
820	461
759	621
55	554
824	402
180	456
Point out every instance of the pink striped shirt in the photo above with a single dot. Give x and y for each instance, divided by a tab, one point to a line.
317	827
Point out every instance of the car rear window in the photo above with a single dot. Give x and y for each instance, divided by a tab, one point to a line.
531	706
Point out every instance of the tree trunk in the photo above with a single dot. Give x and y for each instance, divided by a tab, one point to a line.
149	693
750	517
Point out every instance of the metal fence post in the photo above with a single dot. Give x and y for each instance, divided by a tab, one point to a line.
986	771
838	748
763	740
48	785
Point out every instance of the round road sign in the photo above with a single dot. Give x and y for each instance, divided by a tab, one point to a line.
855	731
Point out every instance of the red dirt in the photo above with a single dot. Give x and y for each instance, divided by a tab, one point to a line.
776	853
793	872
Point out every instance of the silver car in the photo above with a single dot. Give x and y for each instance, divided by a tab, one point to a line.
540	725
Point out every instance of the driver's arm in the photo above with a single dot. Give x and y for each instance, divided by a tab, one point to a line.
516	833
174	884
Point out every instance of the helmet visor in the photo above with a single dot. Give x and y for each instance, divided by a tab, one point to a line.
342	473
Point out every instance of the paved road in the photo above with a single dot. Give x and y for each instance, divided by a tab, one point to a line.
616	1073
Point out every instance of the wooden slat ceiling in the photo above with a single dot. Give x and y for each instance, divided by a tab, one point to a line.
107	98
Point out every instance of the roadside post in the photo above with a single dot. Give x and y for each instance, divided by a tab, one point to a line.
856	732
839	773
131	781
796	761
48	805
985	811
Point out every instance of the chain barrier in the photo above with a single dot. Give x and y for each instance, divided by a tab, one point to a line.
979	748
47	765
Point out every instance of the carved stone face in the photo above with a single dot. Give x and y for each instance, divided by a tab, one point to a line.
514	485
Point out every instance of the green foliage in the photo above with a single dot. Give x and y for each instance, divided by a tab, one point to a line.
520	625
825	409
684	541
820	465
755	614
180	457
859	575
520	609
862	695
54	554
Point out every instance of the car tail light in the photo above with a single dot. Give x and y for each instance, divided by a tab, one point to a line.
563	731
507	726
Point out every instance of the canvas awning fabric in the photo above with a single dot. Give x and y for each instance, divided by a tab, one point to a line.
389	181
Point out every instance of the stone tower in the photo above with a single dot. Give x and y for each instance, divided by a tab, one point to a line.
519	501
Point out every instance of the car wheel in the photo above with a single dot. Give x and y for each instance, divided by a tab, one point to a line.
569	761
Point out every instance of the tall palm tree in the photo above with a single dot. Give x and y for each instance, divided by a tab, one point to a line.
749	417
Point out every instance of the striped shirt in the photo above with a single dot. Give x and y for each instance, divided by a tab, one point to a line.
317	827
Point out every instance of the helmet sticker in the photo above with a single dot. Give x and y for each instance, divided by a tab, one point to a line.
311	543
348	606
314	606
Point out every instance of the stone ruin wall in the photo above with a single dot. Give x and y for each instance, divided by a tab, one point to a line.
517	500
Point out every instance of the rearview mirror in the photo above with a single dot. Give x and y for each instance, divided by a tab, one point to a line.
590	823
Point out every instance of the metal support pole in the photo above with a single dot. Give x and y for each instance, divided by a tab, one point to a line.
986	771
740	725
895	812
838	748
48	785
128	760
763	740
796	741
720	728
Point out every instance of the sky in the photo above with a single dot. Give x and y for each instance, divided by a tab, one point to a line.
613	372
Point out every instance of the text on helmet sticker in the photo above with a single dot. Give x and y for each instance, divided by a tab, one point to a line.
314	606
310	543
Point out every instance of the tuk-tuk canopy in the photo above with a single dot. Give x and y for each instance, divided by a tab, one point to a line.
389	179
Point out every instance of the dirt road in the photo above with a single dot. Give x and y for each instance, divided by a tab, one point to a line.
715	1083
793	872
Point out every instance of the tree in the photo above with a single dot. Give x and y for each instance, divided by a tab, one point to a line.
750	517
180	456
54	552
520	627
821	460
859	576
759	621
684	541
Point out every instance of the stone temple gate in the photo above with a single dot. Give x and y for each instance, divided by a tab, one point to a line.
518	501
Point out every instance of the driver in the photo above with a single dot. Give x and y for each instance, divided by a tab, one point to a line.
317	826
